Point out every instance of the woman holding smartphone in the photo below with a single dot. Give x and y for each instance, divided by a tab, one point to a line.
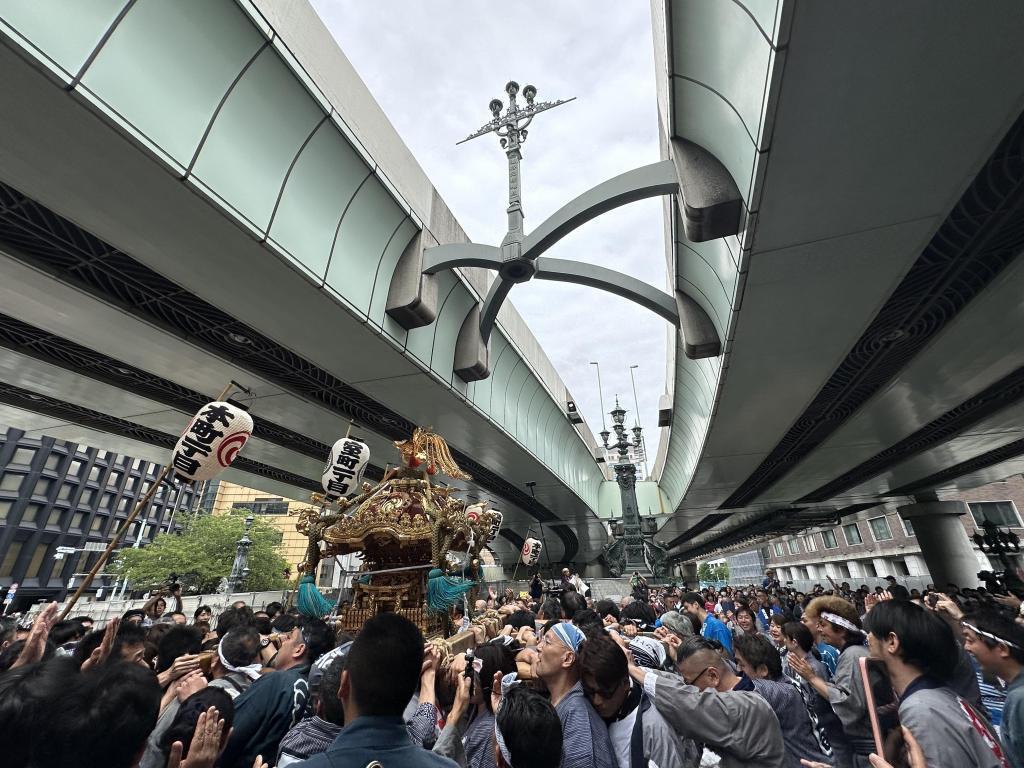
838	625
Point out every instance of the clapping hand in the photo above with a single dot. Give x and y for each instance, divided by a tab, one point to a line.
35	643
205	746
102	652
799	665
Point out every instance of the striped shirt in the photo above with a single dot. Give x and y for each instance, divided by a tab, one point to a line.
585	742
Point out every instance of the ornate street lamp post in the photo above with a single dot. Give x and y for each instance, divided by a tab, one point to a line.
632	548
240	568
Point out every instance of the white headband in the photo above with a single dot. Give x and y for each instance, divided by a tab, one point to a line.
989	635
252	671
839	621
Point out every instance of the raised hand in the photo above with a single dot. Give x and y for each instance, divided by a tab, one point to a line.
799	665
496	692
205	747
189	684
35	643
102	652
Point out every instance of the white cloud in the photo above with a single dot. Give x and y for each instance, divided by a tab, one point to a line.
434	66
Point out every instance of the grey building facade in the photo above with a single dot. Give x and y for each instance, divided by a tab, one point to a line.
54	494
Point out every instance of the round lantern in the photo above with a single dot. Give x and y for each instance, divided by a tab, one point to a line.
345	466
474	511
531	552
211	441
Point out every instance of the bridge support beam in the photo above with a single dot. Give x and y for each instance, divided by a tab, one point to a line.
944	544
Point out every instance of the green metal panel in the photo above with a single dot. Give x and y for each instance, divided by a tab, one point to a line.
66	31
482	389
385	269
708	268
366	229
321	184
512	389
533	417
449	321
719	45
526	394
705	118
499	376
168	65
420	342
765	13
256	136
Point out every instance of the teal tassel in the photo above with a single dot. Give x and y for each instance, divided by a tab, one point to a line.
309	601
444	591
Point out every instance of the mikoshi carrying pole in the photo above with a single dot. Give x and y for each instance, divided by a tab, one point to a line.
143	504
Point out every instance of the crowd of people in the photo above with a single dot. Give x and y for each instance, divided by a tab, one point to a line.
660	677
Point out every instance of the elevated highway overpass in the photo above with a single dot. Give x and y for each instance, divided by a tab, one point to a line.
206	192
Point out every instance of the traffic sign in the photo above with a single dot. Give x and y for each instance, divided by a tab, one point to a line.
94	546
58	556
66	550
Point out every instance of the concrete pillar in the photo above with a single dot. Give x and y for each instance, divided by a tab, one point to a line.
946	550
688	573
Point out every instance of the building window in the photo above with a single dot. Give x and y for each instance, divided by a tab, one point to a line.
78	520
828	538
869	569
852	534
23	456
10	558
54	519
880	528
42	487
809	544
31	513
779	551
36	562
1002	513
94	474
5	508
114	479
66	492
844	570
794	546
900	566
908	527
11	481
263	506
97	523
75	468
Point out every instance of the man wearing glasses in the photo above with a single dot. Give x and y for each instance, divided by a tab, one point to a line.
702	703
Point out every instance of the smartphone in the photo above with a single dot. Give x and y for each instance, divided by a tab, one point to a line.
883	708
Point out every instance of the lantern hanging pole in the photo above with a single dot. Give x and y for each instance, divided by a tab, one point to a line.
143	503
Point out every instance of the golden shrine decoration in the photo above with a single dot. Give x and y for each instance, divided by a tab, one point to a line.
404	528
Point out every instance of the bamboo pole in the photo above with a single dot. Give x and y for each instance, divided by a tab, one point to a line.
143	503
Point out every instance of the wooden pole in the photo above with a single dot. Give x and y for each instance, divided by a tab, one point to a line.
143	503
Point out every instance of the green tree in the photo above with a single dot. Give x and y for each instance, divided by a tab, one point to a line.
204	553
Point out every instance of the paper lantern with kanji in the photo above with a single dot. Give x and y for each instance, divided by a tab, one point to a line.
496	518
531	552
211	441
475	511
345	466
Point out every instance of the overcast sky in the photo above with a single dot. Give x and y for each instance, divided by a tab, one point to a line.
434	66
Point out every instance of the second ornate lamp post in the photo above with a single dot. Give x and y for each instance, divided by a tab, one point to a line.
240	568
632	549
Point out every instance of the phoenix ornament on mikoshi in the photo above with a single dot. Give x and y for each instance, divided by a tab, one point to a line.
404	529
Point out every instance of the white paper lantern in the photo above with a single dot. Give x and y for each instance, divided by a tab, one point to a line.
345	466
496	518
475	511
211	441
531	552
